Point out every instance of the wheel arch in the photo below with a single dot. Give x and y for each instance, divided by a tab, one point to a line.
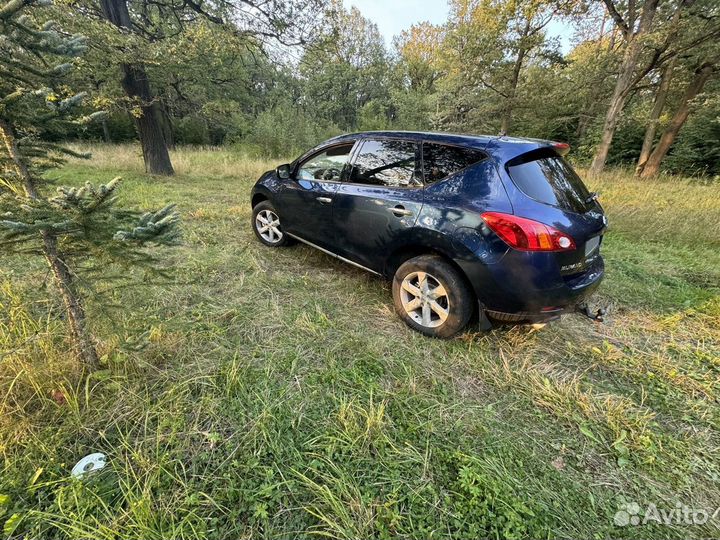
258	197
405	253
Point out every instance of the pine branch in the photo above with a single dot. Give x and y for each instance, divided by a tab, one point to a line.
86	199
159	227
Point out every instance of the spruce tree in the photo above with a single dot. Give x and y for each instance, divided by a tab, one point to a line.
72	224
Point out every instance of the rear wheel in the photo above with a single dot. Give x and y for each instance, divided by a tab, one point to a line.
266	224
432	297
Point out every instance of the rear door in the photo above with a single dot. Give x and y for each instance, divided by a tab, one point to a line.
305	202
555	194
377	204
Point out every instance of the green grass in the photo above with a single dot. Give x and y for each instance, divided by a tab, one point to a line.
273	393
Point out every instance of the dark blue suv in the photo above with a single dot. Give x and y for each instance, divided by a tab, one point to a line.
497	226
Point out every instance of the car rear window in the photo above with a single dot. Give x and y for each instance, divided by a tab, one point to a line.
546	177
441	160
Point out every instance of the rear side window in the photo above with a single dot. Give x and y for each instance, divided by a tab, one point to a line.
389	163
441	160
546	177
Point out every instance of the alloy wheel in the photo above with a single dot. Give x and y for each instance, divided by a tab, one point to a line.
268	226
425	299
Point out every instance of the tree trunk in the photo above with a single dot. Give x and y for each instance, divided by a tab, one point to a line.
106	131
136	85
150	123
167	125
608	132
623	86
510	101
652	166
81	339
514	80
64	281
658	105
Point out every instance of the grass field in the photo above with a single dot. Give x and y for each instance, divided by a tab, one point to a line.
273	393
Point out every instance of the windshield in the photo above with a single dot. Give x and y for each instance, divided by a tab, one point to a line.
546	177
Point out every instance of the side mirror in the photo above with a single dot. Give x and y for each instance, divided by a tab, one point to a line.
283	171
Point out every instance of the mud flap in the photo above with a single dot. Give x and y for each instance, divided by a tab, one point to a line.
484	324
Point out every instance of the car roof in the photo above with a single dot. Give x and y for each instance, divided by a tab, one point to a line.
500	146
456	138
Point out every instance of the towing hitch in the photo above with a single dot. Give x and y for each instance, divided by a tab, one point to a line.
584	309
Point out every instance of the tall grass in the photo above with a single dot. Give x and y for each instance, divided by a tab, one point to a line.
674	210
211	162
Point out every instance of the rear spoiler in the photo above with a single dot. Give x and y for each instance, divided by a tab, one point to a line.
561	148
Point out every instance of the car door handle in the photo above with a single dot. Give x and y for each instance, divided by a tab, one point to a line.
400	211
323	200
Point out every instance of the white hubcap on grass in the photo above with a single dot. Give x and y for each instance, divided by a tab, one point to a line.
268	225
425	299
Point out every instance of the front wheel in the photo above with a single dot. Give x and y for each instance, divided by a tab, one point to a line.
266	224
432	297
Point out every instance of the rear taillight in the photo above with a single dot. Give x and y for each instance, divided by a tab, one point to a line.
528	235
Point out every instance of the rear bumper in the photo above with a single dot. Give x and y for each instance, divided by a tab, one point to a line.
528	290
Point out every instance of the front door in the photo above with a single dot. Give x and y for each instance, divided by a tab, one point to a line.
376	206
306	200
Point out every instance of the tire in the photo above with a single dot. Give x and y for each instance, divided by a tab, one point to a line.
413	297
265	213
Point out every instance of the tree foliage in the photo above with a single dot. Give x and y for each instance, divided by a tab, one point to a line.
346	70
278	81
76	230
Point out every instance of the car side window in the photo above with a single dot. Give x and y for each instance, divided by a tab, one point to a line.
327	165
391	163
440	160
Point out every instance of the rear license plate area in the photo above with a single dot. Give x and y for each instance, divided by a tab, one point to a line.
591	247
573	263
